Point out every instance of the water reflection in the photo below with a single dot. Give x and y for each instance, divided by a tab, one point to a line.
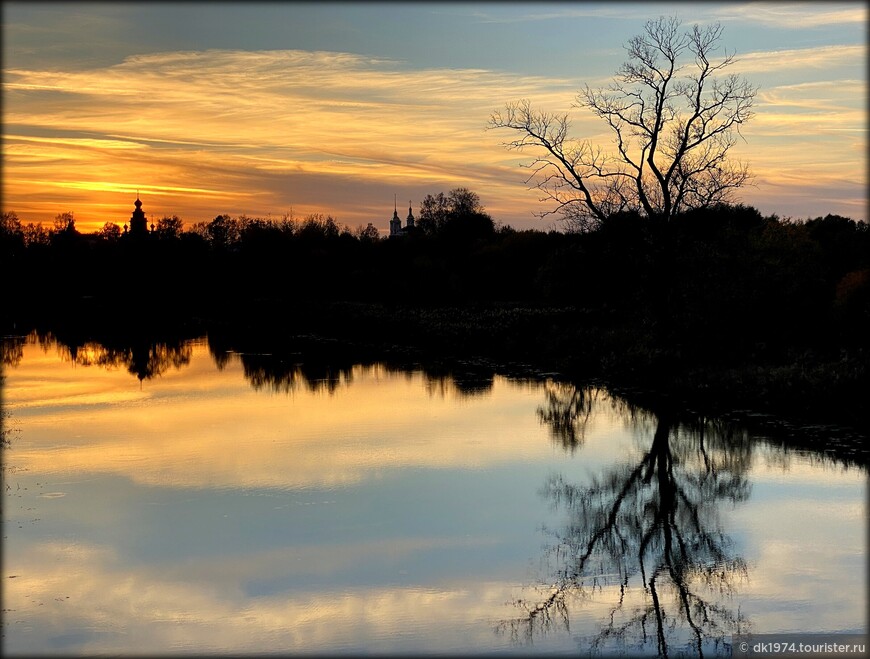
12	350
567	412
404	500
648	526
318	364
280	365
142	355
287	364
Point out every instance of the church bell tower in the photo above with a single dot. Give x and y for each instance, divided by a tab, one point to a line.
138	223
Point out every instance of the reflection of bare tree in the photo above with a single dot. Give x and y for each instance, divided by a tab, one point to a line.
143	357
265	370
152	359
466	379
11	350
283	365
567	412
649	531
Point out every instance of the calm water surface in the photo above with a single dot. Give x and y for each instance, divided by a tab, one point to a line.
189	500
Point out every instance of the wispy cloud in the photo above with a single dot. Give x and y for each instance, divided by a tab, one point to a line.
536	12
787	15
799	59
795	15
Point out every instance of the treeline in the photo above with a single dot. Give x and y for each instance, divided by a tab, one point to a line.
726	274
723	272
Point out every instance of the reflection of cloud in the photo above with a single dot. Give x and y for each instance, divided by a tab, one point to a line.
792	572
107	606
103	605
158	434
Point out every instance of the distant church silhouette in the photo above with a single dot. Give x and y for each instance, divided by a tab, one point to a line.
396	228
138	223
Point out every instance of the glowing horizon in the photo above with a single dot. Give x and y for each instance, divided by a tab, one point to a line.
312	123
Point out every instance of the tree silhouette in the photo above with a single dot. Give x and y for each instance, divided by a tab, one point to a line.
368	234
673	125
223	231
110	232
169	228
650	527
64	223
36	235
458	214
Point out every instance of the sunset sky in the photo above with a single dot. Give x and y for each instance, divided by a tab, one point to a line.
265	109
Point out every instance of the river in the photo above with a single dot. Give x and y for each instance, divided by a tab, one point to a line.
189	498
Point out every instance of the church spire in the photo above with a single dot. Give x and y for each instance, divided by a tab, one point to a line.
395	223
138	222
410	220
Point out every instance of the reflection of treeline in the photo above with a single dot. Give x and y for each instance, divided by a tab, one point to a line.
282	363
318	364
775	308
145	356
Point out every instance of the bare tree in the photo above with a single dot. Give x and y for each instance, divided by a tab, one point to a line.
457	212
674	114
367	234
64	223
170	227
110	232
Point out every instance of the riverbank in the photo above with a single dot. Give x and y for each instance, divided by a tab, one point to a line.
811	387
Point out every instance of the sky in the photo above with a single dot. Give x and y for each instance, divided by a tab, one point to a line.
347	108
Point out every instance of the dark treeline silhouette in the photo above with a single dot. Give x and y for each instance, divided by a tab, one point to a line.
723	300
